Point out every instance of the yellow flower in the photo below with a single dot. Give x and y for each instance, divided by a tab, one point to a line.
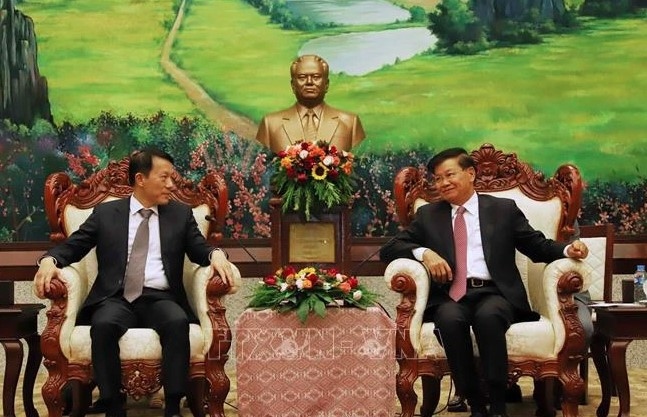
319	172
307	271
286	162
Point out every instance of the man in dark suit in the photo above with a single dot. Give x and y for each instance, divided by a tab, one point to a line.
139	281
310	118
467	242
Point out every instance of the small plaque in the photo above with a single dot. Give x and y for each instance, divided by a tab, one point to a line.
312	243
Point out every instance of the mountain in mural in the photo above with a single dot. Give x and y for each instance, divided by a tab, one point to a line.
23	91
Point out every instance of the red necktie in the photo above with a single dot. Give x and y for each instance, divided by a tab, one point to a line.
459	285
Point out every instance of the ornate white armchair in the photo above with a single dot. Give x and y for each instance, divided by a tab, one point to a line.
66	346
545	349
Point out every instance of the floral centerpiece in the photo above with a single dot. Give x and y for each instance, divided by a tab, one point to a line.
309	290
309	175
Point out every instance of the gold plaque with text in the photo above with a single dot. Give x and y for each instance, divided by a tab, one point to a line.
312	243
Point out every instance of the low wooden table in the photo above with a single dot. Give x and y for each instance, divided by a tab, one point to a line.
20	321
340	365
615	328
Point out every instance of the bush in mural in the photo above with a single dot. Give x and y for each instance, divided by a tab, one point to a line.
623	203
28	155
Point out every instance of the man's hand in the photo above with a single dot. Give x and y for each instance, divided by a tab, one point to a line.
222	266
438	268
46	272
577	250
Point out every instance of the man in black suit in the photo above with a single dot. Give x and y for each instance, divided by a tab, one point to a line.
138	287
467	242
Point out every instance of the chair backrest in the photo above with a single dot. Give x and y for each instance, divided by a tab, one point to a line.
550	204
600	240
68	205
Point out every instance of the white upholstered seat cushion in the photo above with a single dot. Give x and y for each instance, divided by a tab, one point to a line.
527	339
135	344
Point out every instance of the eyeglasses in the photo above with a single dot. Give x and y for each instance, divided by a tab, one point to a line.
449	176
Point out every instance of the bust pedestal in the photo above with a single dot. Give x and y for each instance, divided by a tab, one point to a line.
324	240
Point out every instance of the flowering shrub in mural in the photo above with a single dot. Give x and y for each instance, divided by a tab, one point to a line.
27	156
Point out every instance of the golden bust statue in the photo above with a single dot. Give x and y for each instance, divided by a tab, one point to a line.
310	118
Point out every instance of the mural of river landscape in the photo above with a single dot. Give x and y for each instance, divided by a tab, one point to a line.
555	81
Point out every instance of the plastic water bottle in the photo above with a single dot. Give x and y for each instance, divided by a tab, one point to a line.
639	284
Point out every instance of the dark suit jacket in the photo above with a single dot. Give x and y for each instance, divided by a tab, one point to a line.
107	229
504	228
280	129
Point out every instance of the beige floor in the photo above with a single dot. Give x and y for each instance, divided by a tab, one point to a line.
637	376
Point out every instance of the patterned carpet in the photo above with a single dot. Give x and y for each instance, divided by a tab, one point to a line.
637	381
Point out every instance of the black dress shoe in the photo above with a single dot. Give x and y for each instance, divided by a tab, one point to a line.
513	394
98	407
457	404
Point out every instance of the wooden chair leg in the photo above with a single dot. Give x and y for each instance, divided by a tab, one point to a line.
430	395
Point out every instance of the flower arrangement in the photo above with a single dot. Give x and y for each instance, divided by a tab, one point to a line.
309	290
309	175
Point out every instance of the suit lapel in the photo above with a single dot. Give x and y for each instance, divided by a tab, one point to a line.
487	218
292	125
122	219
446	231
328	124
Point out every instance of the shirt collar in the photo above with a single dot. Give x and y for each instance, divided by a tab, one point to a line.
302	110
135	206
471	205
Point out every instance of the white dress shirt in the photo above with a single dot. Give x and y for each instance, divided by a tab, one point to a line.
154	275
476	266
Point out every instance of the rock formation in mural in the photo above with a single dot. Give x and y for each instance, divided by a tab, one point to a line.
490	10
23	91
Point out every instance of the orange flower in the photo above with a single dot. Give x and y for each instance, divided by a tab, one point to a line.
344	287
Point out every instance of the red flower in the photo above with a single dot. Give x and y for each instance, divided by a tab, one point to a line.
282	154
302	178
270	280
333	174
305	145
313	278
291	172
354	282
289	270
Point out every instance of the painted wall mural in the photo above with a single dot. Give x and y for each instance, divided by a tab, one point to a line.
555	81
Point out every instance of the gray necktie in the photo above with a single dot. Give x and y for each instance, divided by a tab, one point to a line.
134	281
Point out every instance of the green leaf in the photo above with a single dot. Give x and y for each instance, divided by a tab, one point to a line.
302	312
319	307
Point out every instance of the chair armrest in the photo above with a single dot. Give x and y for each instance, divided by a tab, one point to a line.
204	289
552	292
410	278
66	297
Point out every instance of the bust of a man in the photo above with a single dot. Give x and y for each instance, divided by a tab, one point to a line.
310	118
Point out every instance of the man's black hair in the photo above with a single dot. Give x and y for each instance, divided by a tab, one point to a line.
142	161
464	159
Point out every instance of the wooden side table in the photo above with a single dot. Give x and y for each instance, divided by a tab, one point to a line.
20	321
615	328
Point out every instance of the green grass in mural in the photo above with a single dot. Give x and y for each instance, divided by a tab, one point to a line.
104	55
578	98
